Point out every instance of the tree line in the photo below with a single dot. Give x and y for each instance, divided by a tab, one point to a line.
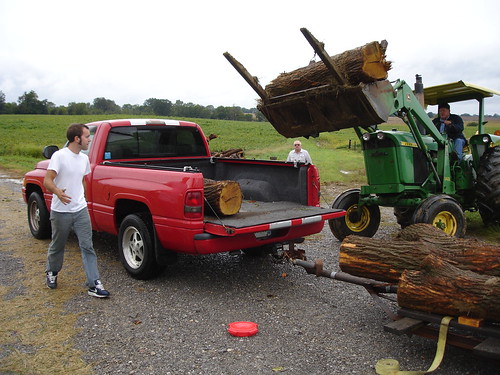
29	103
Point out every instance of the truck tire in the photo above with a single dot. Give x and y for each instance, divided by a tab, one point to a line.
38	217
136	247
488	186
404	215
361	222
443	212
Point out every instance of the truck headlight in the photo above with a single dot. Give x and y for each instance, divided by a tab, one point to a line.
366	137
380	136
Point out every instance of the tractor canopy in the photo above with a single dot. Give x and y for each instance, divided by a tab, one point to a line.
456	92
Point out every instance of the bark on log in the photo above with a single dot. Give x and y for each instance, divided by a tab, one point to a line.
442	288
364	64
223	197
386	260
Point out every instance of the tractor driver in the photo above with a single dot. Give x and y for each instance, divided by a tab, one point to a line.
453	126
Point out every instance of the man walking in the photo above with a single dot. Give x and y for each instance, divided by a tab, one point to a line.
65	179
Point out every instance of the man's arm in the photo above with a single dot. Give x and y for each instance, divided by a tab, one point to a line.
51	186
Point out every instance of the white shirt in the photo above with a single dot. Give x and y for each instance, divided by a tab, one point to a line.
70	169
301	156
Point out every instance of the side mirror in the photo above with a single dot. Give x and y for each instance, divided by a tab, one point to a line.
48	151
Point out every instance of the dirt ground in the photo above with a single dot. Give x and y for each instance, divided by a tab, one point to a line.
177	323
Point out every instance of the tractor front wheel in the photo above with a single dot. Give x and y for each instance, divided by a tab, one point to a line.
443	212
359	220
488	186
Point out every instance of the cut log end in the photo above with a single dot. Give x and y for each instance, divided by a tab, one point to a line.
230	198
223	197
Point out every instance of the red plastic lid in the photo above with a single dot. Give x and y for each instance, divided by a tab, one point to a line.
243	329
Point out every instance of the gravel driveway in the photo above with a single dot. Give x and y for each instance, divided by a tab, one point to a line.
177	323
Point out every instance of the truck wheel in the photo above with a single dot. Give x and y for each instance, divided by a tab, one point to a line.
362	222
38	217
136	247
443	212
403	215
488	186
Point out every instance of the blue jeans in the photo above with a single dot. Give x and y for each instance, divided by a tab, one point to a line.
62	223
459	144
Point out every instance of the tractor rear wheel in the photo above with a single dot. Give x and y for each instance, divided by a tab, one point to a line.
488	186
359	220
443	212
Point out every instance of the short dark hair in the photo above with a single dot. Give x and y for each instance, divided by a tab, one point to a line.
443	105
75	130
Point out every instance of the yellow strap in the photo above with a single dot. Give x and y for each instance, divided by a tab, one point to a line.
391	366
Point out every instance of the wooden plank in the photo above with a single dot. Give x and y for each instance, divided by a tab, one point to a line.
404	326
489	330
465	320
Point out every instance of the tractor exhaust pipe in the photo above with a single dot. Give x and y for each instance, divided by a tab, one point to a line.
419	94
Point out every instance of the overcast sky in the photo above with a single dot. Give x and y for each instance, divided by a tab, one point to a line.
129	51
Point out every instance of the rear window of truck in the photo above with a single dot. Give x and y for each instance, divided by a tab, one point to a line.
130	142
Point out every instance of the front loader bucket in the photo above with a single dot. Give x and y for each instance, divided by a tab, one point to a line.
328	108
342	91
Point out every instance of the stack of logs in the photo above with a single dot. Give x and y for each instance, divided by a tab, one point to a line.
233	153
435	273
365	64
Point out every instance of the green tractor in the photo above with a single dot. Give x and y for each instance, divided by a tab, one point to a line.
417	172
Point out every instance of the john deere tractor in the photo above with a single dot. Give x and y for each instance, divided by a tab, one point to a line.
418	173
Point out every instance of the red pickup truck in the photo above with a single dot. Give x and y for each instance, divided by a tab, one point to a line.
146	187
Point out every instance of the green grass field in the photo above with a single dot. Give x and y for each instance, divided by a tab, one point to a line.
24	136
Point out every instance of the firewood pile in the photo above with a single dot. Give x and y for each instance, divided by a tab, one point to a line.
233	153
435	273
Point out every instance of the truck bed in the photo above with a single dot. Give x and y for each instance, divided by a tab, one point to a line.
254	213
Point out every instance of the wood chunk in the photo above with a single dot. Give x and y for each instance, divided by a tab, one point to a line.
223	197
